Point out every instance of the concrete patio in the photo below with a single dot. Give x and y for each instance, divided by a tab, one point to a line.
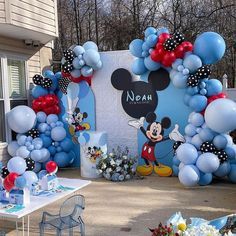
130	208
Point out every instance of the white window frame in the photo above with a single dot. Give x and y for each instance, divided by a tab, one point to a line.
5	87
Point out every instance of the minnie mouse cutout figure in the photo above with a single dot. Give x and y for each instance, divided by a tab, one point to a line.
154	134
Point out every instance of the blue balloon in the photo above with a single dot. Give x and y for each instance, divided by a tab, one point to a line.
205	179
176	161
58	133
180	80
30	178
138	66
187	98
22	152
90	45
175	170
76	73
42	173
52	150
196	141
220	142
145	47
197	119
192	62
213	87
52	118
151	40
47	141
206	135
42	127
37	167
59	149
48	73
66	144
20	182
58	75
45	154
150	64
219	222
62	159
220	115
78	50
190	130
98	65
187	153
150	31
177	63
17	165
36	155
21	119
21	140
12	148
86	71
232	173
81	140
39	91
210	47
54	84
38	143
231	152
103	139
192	90
189	175
41	117
135	47
198	103
76	63
208	162
223	169
86	136
91	57
59	123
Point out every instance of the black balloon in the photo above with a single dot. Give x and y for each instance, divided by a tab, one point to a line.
222	155
34	133
192	81
5	172
63	84
178	37
30	164
46	83
37	79
203	72
67	67
69	55
170	44
207	147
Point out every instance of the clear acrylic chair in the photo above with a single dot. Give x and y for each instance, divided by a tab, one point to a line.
69	217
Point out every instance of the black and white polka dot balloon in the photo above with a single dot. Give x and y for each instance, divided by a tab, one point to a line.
30	164
34	133
67	67
192	81
5	172
203	72
46	83
63	84
69	55
37	79
176	145
178	37
169	44
207	147
222	155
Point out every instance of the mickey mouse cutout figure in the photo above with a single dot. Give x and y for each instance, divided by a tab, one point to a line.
154	134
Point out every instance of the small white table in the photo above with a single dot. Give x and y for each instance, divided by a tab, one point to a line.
37	202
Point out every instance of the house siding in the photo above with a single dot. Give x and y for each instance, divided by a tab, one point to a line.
2	12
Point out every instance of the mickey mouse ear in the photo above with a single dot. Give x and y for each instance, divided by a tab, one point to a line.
121	79
159	79
151	117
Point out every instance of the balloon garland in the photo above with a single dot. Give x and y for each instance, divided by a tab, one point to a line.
208	150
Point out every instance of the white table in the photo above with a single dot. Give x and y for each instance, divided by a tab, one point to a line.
37	202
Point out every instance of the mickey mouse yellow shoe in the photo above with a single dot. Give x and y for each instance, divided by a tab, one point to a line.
145	170
162	170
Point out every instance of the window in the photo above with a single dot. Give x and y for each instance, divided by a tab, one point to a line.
13	91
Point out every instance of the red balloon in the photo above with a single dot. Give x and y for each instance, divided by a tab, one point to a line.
222	95
163	37
159	45
179	51
188	47
7	185
51	166
12	177
155	56
168	59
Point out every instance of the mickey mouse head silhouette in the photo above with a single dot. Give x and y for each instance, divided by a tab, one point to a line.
140	97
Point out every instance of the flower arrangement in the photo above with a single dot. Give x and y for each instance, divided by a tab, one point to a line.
117	165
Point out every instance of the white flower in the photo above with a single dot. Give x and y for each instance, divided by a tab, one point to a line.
118	162
112	162
202	230
176	220
108	170
125	157
126	166
118	169
111	154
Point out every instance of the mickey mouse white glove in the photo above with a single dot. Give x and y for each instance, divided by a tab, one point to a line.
176	135
137	123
